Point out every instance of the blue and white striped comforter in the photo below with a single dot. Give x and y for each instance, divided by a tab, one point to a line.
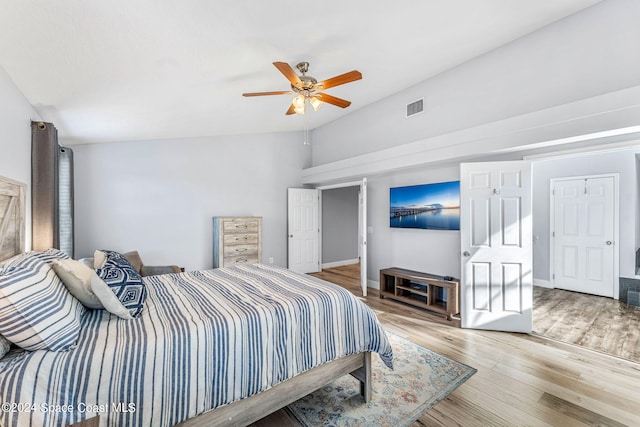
204	339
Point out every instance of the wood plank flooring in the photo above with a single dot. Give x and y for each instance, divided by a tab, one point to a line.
521	379
599	323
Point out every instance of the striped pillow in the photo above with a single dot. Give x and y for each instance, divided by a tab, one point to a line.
50	255
124	281
36	310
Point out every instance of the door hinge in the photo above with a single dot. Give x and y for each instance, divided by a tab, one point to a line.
553	276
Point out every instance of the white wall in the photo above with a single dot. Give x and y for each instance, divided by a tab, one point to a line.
623	163
587	54
159	197
15	139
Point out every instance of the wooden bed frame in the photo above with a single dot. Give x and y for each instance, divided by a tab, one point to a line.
240	413
251	409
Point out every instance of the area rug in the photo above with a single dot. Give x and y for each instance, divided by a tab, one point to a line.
420	379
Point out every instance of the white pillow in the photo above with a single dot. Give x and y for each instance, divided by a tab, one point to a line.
77	278
84	284
99	258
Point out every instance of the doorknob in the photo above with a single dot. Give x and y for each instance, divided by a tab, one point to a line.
466	253
291	235
609	242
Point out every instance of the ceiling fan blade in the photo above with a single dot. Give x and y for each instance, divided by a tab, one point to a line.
291	110
288	72
285	92
342	103
351	76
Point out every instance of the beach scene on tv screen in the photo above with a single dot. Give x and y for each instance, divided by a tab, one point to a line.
429	206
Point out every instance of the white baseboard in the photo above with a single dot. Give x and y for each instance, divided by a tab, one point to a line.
542	283
373	284
340	263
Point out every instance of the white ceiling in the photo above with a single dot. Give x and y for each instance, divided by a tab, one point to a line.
119	70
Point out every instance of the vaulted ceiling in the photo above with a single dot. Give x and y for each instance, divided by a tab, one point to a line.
122	70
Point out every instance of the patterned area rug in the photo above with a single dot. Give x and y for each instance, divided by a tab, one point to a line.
420	379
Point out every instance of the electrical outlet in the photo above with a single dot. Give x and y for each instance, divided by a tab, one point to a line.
270	260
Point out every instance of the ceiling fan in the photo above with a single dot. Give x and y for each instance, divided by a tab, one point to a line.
308	88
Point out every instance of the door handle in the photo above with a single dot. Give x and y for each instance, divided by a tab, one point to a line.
291	235
466	253
609	242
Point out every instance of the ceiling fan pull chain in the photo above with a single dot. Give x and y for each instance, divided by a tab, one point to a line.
306	131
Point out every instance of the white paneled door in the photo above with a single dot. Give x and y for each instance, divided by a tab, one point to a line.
304	231
496	237
362	238
583	235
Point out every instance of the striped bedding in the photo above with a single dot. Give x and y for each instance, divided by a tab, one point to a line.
204	339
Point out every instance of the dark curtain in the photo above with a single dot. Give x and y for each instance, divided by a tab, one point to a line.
51	190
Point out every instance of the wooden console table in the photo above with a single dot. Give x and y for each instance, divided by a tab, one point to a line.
421	290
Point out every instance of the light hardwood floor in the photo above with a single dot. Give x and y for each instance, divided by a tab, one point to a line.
522	380
599	323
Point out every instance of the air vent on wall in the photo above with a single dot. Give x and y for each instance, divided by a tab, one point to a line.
415	107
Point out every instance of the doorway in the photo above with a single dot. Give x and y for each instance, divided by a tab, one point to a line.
340	219
348	215
343	225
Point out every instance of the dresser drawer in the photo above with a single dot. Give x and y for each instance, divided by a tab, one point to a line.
234	250
247	259
240	239
232	226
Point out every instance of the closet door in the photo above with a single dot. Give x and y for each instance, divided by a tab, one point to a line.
583	235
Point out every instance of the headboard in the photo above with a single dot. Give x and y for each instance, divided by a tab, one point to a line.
12	222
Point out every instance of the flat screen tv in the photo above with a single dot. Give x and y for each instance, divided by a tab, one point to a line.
428	206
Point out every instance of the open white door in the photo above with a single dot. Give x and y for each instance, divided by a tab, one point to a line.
363	235
496	236
303	229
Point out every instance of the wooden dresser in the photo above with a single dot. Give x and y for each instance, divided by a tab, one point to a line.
236	240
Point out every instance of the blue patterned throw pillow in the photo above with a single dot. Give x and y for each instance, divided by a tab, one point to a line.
124	281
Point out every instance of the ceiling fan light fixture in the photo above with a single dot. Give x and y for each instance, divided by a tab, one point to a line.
298	104
315	103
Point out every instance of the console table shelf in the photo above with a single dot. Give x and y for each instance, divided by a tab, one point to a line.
423	290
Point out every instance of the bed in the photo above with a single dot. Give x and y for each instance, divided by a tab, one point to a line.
215	347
